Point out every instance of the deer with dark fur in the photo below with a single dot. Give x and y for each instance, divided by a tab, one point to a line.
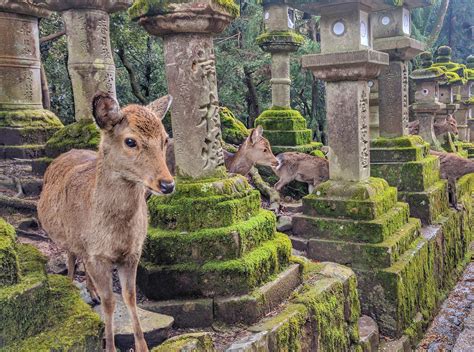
93	203
448	125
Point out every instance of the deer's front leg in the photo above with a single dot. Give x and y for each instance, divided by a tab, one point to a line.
127	274
100	271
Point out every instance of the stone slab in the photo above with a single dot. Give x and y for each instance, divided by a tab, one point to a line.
400	345
191	313
22	152
369	334
156	327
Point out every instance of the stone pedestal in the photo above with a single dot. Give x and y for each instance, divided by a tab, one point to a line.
210	248
284	127
90	65
24	124
355	219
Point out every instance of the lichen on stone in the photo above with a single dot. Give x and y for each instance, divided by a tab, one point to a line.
233	130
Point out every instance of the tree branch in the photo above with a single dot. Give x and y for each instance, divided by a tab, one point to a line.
132	76
443	9
52	37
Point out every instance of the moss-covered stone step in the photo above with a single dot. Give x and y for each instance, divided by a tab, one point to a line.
322	317
195	342
10	205
196	213
395	295
231	242
26	135
39	166
289	138
70	323
402	149
31	151
29	118
216	278
9	267
428	205
24	305
366	255
366	200
412	176
371	231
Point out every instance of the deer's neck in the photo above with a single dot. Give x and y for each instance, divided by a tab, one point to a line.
240	164
114	196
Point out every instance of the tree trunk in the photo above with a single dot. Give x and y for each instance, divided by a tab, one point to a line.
443	9
132	76
253	107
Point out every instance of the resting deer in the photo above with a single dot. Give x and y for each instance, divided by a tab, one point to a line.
93	203
255	150
448	125
453	167
310	169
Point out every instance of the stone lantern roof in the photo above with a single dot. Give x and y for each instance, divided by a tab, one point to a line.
428	72
104	5
25	7
456	73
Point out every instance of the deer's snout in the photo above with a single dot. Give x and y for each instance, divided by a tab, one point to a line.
166	187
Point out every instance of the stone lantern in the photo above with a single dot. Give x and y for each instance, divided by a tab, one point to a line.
469	97
24	124
338	216
402	160
427	104
284	127
210	245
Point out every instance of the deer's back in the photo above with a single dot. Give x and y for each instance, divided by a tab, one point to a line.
304	165
65	204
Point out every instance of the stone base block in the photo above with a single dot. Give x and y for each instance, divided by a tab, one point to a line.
26	135
428	205
323	317
22	151
237	276
398	150
39	166
155	326
369	334
246	309
310	148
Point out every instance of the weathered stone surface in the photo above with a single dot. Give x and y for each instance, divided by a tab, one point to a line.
155	326
195	342
284	223
191	313
103	5
400	345
369	334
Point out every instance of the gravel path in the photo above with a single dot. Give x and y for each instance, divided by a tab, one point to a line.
452	322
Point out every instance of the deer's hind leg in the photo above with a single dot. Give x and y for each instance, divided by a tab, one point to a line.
127	272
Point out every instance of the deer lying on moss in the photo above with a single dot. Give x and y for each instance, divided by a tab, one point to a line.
448	125
255	150
93	203
301	167
452	168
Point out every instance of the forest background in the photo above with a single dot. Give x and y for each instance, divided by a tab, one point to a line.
243	69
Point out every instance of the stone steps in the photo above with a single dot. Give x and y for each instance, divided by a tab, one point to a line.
237	276
32	151
11	136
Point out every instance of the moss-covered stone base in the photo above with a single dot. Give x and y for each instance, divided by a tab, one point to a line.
209	239
43	312
286	130
83	134
406	164
322	317
38	118
233	130
364	226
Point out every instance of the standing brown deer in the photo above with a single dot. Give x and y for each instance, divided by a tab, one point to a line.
93	203
310	169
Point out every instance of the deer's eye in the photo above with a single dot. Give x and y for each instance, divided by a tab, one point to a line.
265	150
130	142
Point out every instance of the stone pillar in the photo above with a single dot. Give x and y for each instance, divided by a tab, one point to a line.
470	100
90	62
284	127
374	108
23	121
210	239
336	224
90	65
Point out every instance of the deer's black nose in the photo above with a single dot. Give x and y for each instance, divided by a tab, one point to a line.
166	187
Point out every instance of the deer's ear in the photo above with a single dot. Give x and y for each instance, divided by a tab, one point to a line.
161	106
256	134
106	111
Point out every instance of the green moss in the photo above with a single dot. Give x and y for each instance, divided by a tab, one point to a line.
9	267
79	135
195	342
278	120
276	37
288	138
147	8
399	142
29	118
233	130
172	247
363	200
